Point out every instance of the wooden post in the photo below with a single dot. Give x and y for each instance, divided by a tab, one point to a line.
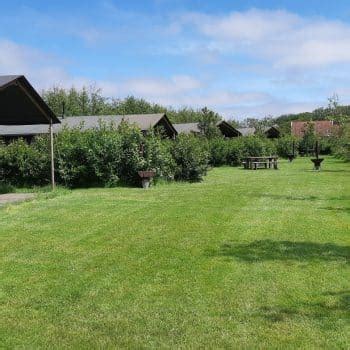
52	157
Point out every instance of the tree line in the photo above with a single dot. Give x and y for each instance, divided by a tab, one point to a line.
90	101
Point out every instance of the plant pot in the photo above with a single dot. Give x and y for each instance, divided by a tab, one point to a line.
146	182
291	157
317	163
147	173
146	177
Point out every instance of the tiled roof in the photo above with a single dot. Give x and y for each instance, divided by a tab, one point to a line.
143	121
246	131
187	128
5	79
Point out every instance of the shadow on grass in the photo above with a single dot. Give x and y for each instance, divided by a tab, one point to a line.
334	304
335	171
340	198
266	250
339	209
289	197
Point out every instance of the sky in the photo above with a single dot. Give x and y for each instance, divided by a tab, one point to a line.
240	58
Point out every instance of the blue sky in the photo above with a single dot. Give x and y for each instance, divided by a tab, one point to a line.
241	58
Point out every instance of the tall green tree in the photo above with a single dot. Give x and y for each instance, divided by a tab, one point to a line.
208	123
309	138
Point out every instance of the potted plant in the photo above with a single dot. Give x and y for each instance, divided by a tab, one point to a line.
317	161
146	177
147	174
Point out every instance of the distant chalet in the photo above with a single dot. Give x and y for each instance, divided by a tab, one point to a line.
143	121
321	128
271	132
227	130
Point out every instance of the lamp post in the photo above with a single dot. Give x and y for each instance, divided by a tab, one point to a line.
52	157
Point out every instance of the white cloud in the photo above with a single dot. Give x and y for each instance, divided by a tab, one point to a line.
280	37
273	107
249	26
16	58
44	71
153	87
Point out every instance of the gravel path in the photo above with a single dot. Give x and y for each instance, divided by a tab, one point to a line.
15	197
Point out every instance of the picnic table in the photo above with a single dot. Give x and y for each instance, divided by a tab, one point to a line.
254	163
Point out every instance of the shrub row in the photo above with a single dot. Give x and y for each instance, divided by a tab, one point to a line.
108	156
341	144
104	156
232	151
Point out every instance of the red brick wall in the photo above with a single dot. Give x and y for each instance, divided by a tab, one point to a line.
322	127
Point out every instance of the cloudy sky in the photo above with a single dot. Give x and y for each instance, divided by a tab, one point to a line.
241	58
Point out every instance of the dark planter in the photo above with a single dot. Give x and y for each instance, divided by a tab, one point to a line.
291	157
317	163
146	177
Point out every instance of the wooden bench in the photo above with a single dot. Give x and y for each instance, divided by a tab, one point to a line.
254	163
259	163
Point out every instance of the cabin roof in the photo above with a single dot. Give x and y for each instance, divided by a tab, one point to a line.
20	104
143	121
246	131
187	128
227	129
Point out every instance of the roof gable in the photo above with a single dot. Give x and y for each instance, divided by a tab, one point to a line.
20	104
227	129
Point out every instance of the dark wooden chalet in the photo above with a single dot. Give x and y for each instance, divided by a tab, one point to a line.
22	106
270	132
144	121
225	128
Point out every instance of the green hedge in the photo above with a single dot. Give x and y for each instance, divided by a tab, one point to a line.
232	151
191	156
341	144
22	164
105	156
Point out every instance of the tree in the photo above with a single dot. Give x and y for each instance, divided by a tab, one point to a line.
87	101
184	115
308	140
335	111
208	123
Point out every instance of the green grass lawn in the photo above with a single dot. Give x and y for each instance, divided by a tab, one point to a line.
247	259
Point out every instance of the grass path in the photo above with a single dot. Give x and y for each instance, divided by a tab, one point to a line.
244	259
